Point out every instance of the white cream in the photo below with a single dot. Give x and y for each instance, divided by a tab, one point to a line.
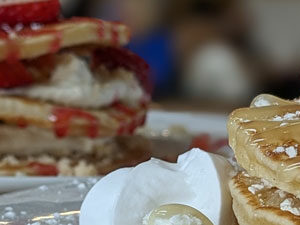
73	84
198	179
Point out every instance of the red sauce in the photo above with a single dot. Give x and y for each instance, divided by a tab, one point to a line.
43	169
127	127
124	109
114	36
122	129
63	117
56	44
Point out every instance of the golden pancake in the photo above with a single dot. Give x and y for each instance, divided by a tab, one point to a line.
33	42
265	138
104	122
256	202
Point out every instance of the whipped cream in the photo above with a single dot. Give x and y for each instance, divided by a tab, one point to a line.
198	179
73	84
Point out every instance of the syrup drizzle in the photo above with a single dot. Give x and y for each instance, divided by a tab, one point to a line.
63	117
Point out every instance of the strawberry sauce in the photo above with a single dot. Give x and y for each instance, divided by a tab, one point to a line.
63	117
41	169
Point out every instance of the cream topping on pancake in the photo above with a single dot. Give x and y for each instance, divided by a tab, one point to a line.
73	84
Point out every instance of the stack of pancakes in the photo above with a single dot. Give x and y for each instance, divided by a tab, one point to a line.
70	94
265	138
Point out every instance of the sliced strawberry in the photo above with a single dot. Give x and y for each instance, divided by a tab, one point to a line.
202	141
114	57
28	11
14	74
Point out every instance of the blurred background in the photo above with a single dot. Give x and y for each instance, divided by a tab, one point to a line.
209	55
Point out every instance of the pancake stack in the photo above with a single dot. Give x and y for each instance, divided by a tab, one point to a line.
71	96
265	138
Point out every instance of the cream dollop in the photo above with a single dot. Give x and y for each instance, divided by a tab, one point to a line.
198	179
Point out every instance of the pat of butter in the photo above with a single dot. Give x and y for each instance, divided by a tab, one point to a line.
175	214
198	179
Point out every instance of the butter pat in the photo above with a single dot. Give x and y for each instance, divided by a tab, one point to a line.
198	179
175	214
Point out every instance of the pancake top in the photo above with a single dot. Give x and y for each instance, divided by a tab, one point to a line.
270	126
36	40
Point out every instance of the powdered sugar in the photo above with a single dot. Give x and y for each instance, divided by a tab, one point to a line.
286	205
279	149
291	151
287	116
255	187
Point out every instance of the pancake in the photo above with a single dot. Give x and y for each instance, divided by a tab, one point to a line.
110	121
266	140
62	157
255	201
66	87
32	42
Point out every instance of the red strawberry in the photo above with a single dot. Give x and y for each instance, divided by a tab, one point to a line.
28	11
14	75
113	57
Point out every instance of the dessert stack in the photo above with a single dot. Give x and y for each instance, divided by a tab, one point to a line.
265	138
71	96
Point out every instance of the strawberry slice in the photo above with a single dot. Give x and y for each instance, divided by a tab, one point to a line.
114	57
14	74
28	11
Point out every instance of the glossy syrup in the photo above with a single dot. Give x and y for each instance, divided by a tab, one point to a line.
270	134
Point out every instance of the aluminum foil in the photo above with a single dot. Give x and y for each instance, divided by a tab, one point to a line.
57	204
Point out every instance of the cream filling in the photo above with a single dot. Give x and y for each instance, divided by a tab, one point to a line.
73	84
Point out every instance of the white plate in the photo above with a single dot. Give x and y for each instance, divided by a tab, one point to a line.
157	121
